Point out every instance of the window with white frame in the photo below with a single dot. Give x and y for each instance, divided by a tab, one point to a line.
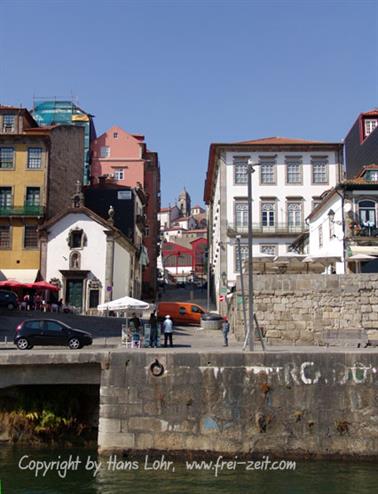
34	158
8	123
6	157
294	213
240	169
267	171
320	235
244	256
268	249
370	125
371	175
319	170
241	214
5	197
293	170
119	174
268	210
33	196
105	151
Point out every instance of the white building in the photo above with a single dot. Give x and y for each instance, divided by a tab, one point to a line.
167	216
344	224
91	260
290	177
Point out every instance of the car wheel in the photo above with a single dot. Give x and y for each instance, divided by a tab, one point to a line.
22	344
10	307
74	343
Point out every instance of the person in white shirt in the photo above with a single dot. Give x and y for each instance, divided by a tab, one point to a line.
168	331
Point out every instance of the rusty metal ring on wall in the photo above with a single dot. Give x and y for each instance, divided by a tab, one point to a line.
156	368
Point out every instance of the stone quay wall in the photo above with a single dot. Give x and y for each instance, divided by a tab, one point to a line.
305	309
317	404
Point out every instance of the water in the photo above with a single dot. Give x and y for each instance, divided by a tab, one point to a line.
309	477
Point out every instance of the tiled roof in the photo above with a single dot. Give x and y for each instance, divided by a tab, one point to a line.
371	113
278	140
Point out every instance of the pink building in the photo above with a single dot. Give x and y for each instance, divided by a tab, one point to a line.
126	159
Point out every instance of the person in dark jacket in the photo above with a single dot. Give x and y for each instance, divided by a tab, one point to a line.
154	330
225	330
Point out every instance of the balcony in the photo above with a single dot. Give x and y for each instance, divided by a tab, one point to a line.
22	211
279	229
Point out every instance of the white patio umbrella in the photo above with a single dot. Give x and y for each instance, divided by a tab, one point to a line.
357	258
124	304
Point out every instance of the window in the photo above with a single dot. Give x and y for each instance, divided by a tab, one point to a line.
6	157
331	224
34	158
94	298
5	197
240	169
32	196
267	171
105	152
196	309
320	234
371	175
119	174
5	237
267	213
37	325
115	135
241	214
268	249
244	256
294	214
8	123
370	125
366	210
53	326
30	237
319	170
76	239
293	170
146	231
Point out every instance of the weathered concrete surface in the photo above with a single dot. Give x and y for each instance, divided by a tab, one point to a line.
299	403
302	404
309	309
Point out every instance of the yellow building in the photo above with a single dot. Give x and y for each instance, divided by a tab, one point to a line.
24	150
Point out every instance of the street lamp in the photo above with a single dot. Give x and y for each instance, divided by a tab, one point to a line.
251	335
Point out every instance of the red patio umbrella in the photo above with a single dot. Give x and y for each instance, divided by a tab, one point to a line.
43	285
12	284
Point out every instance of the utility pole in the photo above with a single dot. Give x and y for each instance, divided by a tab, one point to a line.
251	339
242	284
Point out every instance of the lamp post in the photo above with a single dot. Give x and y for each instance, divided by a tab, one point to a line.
242	283
251	339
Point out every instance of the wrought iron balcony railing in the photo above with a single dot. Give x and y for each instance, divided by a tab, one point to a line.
259	229
22	210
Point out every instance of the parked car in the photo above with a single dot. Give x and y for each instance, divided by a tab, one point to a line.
183	312
8	299
49	332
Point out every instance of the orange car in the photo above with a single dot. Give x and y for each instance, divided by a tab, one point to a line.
181	312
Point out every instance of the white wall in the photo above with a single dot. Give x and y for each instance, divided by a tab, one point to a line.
92	256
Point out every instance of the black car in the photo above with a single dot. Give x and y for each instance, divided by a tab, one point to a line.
49	332
8	299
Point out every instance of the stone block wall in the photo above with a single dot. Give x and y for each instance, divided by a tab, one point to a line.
303	309
294	404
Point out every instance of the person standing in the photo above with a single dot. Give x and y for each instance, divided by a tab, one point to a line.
225	330
154	330
168	331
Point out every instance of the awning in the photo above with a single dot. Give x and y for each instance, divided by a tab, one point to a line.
21	275
370	250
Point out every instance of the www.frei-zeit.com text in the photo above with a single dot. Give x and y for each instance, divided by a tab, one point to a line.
114	463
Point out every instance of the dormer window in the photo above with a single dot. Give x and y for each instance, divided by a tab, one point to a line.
8	123
370	125
371	175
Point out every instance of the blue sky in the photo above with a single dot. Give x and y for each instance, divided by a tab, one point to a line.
188	73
